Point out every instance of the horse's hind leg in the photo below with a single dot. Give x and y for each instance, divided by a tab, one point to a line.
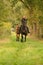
17	37
21	38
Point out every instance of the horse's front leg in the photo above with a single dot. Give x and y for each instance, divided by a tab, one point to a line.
21	37
25	38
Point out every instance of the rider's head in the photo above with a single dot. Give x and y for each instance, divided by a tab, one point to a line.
24	17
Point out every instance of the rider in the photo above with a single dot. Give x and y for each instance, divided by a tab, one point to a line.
24	20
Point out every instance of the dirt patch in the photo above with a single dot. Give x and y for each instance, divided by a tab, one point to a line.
5	40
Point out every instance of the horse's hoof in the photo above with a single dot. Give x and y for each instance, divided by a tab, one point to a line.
21	40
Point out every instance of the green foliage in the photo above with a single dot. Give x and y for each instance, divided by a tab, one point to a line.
5	29
1	8
41	20
13	2
13	10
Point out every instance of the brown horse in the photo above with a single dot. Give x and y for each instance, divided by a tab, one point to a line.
17	32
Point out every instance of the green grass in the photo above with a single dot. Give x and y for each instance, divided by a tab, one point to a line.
17	53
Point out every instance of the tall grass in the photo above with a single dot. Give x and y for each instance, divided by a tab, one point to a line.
17	53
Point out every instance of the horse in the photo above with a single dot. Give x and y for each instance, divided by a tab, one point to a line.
24	30
17	32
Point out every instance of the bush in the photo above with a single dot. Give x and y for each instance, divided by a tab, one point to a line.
5	29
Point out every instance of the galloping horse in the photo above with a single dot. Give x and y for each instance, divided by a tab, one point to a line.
17	32
24	30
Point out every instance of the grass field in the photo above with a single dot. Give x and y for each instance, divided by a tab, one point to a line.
17	53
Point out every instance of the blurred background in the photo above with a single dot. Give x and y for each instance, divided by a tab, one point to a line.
12	11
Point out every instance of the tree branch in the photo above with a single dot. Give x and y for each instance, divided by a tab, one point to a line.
25	4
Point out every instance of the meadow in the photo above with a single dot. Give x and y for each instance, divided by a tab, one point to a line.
21	53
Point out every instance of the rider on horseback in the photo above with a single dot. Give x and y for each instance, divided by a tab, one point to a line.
24	21
24	28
